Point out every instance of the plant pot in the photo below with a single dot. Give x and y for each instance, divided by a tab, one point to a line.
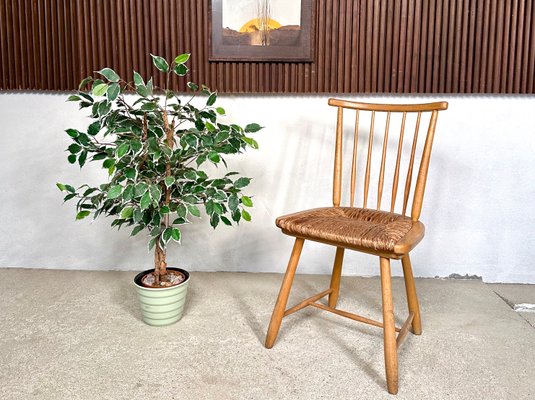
162	306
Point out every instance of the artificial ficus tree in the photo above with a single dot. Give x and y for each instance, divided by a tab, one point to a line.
154	146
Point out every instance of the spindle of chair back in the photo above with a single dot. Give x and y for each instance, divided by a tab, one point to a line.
404	109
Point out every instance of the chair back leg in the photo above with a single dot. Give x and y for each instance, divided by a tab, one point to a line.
389	328
335	277
282	299
412	298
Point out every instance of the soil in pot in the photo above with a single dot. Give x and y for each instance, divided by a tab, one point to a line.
172	278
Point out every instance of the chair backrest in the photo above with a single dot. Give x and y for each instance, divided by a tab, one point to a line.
413	110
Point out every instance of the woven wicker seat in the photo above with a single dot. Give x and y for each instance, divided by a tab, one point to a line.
380	229
348	226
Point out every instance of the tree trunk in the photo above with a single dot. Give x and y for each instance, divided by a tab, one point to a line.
160	264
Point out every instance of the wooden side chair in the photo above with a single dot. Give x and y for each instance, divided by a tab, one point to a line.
368	229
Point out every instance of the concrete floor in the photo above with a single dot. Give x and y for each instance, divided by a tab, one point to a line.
78	335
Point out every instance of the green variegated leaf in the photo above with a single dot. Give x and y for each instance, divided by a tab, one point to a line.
246	201
140	189
214	220
233	202
242	182
136	230
141	88
182	58
84	82
128	193
236	216
193	86
221	136
194	210
130	173
167	233
114	191
214	157
218	209
251	128
180	69
74	148
138	215
246	216
155	192
211	99
82	215
109	74
149	107
100	89
176	235
160	63
108	163
94	128
164	210
127	212
122	150
251	142
69	196
136	146
152	242
82	158
169	180
113	91
72	133
138	80
145	201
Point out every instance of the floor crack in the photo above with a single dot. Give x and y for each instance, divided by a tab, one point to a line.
512	305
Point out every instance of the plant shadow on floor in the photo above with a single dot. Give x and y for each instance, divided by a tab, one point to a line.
125	297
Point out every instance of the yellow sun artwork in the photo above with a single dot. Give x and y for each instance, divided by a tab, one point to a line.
253	25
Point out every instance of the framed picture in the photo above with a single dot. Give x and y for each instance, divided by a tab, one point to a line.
262	30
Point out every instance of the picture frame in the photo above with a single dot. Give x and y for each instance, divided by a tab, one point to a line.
262	30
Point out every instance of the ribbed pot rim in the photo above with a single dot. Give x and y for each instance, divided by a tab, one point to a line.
137	279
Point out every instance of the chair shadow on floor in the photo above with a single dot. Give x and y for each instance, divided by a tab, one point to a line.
258	321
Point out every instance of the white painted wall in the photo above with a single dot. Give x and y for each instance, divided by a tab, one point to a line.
479	208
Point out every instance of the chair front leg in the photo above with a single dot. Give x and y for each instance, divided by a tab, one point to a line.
335	277
412	298
389	328
282	300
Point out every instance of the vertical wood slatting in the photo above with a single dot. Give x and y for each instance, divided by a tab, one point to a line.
337	185
411	164
423	155
434	46
368	162
398	163
419	188
383	163
354	160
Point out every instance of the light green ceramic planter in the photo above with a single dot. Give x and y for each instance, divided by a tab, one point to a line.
162	306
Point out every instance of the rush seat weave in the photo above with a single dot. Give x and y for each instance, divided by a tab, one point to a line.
348	226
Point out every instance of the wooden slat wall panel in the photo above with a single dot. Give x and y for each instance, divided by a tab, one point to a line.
384	46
